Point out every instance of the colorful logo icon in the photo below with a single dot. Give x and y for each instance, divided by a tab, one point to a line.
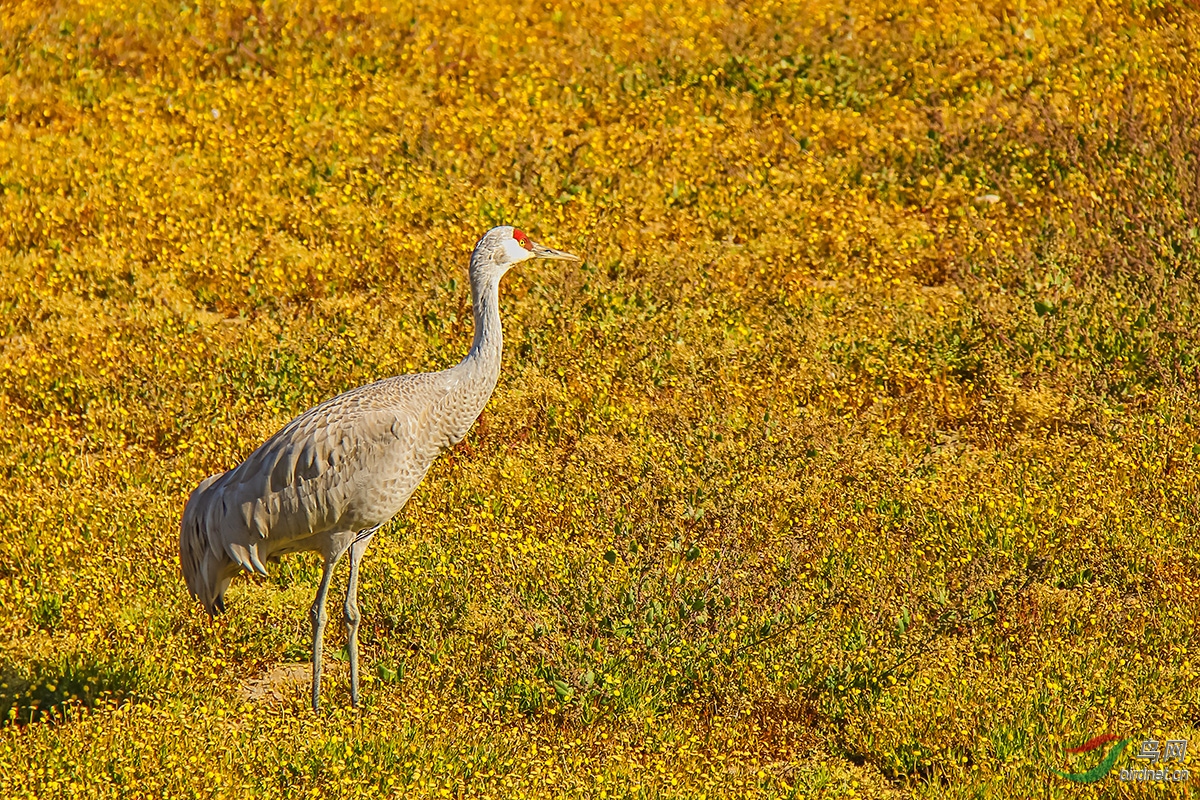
1106	764
1172	750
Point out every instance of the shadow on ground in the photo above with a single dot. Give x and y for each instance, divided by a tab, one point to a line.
49	690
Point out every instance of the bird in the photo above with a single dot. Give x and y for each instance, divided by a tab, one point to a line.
333	476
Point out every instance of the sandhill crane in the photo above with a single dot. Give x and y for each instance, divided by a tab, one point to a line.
334	475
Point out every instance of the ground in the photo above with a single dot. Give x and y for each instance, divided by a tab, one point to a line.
859	457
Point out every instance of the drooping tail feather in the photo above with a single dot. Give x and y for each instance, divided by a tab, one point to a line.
202	557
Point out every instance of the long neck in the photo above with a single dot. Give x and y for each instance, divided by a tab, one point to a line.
484	355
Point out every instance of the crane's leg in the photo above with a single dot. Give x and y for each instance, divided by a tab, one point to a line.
352	614
318	626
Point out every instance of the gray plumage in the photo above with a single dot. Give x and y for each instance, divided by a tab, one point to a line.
331	477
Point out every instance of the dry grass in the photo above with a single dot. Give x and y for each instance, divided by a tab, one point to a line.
860	457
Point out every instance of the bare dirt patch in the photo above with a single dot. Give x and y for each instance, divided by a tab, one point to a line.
284	681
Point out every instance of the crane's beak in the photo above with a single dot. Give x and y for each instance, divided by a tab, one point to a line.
541	251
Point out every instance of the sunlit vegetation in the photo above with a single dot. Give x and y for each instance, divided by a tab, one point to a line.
860	457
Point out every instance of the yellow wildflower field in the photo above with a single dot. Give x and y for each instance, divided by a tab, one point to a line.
859	457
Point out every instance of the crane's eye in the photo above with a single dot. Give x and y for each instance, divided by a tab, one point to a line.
521	238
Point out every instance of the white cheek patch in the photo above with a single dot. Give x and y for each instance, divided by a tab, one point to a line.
515	252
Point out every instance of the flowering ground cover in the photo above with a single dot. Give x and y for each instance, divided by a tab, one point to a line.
860	457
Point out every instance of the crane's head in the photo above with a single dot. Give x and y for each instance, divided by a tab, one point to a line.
504	247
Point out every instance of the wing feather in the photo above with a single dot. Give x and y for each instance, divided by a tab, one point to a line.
313	475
